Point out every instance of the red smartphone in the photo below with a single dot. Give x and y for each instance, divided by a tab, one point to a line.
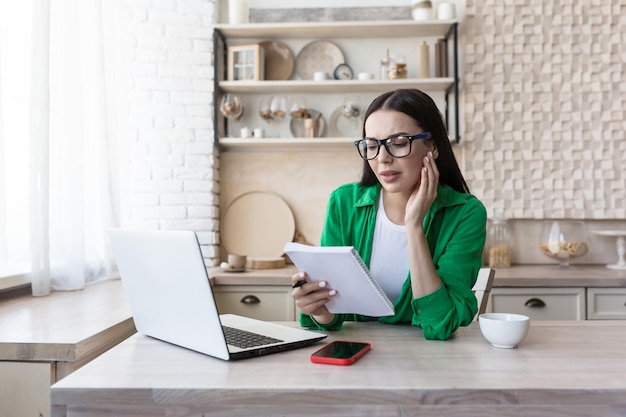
340	352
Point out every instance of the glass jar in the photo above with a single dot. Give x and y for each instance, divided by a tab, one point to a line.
384	68
499	242
397	67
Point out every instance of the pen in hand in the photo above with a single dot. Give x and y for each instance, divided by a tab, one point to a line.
299	284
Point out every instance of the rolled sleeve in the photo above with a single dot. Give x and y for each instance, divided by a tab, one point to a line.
310	323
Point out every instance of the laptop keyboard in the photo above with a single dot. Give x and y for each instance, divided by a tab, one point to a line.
244	339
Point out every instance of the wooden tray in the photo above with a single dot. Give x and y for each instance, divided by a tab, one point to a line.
265	263
257	224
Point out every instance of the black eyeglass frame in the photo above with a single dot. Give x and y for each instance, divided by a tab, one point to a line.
385	143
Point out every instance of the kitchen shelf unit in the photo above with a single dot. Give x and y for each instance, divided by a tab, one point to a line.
308	86
329	30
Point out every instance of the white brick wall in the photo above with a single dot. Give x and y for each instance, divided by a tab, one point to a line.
173	167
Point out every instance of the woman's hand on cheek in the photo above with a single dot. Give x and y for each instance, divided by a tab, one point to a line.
425	192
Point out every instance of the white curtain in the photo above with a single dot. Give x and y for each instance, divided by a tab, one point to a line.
75	103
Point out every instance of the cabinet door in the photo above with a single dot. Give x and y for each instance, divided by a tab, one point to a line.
606	303
25	388
540	303
262	302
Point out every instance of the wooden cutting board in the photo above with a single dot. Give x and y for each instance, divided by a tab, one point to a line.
257	224
265	263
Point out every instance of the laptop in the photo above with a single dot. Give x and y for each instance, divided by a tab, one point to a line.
171	299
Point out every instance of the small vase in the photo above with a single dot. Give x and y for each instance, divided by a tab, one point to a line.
422	9
237	12
446	11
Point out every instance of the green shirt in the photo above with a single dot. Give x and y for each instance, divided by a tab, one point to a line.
455	228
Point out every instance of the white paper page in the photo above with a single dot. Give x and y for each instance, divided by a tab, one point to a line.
357	291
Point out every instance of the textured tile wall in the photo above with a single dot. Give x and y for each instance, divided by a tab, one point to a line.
544	100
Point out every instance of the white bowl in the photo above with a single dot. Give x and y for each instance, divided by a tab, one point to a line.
504	330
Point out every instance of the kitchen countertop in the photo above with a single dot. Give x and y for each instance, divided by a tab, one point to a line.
280	276
554	276
66	327
515	276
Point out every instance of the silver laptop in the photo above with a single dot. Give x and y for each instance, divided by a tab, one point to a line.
170	297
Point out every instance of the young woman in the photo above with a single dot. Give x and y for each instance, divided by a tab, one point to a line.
411	218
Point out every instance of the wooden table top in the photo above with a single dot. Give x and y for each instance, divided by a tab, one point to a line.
580	363
65	325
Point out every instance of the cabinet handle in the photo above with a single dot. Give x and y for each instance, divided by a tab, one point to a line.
250	299
534	303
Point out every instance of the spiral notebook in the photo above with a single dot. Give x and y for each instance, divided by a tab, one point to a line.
358	291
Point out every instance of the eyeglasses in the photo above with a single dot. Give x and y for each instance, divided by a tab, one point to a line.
398	145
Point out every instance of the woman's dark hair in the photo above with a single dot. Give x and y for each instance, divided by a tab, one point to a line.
420	107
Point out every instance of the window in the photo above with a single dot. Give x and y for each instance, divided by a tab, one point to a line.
59	134
15	41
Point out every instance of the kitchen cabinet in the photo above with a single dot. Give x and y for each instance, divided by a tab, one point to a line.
358	42
606	303
274	302
546	292
263	294
24	388
262	302
540	303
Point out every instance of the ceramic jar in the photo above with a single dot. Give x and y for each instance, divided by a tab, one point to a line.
446	11
422	9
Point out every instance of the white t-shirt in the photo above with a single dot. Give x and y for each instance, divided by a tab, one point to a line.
390	259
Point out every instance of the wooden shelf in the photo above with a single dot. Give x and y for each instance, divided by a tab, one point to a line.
348	86
328	30
290	144
282	144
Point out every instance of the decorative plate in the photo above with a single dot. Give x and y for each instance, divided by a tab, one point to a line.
296	125
257	224
279	60
317	56
342	126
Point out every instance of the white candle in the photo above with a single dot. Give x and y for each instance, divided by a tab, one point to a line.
446	11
